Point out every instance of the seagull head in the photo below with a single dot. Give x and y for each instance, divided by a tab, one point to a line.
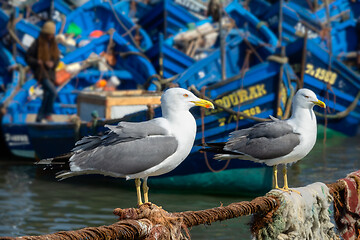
179	98
306	98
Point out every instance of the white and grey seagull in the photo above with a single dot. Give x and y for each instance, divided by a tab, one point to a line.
138	150
276	142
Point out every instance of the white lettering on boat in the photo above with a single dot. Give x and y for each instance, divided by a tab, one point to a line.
17	139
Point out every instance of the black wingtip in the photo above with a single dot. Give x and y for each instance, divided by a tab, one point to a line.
212	147
61	159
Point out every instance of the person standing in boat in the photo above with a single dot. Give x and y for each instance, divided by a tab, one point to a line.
43	57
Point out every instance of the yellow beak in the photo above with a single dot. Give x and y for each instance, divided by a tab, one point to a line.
319	103
203	103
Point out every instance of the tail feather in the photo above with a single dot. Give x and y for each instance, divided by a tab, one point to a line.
56	163
67	174
222	154
213	147
62	159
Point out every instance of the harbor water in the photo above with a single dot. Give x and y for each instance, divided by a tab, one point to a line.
31	204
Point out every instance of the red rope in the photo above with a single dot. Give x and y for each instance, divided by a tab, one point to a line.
203	139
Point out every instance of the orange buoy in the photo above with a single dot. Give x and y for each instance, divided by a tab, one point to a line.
96	33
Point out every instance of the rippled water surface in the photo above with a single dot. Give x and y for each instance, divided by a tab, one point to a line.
31	204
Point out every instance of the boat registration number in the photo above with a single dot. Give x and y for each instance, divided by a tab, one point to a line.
321	74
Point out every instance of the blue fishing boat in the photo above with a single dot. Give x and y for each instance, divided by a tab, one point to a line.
132	9
22	33
170	59
333	81
43	10
166	17
336	21
244	19
355	8
73	22
132	70
4	19
9	76
98	15
27	28
237	58
258	7
335	31
167	60
9	82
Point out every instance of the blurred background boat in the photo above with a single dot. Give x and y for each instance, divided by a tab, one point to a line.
84	69
249	57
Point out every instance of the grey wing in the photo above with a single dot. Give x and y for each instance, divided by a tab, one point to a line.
124	158
263	141
138	129
127	149
124	131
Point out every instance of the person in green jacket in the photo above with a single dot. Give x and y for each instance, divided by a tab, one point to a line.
43	57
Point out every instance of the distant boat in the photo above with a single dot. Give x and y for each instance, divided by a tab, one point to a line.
355	8
336	30
247	21
208	71
98	15
9	76
165	17
27	27
21	111
170	59
48	9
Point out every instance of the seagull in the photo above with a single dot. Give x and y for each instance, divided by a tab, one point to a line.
138	150
277	141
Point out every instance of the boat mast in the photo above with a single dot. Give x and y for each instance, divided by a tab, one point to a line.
281	72
222	44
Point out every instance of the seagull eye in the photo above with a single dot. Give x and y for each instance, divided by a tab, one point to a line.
185	95
306	96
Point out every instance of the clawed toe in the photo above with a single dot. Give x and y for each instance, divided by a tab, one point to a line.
288	190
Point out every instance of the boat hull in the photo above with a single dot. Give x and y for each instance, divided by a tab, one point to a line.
17	140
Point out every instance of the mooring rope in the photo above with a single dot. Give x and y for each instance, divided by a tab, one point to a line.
127	229
202	111
150	221
233	210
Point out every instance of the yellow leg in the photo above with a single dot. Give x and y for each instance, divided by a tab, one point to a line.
276	186
138	191
146	191
286	187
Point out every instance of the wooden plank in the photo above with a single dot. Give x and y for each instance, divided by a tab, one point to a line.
118	98
56	117
107	109
92	100
133	101
127	92
101	97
